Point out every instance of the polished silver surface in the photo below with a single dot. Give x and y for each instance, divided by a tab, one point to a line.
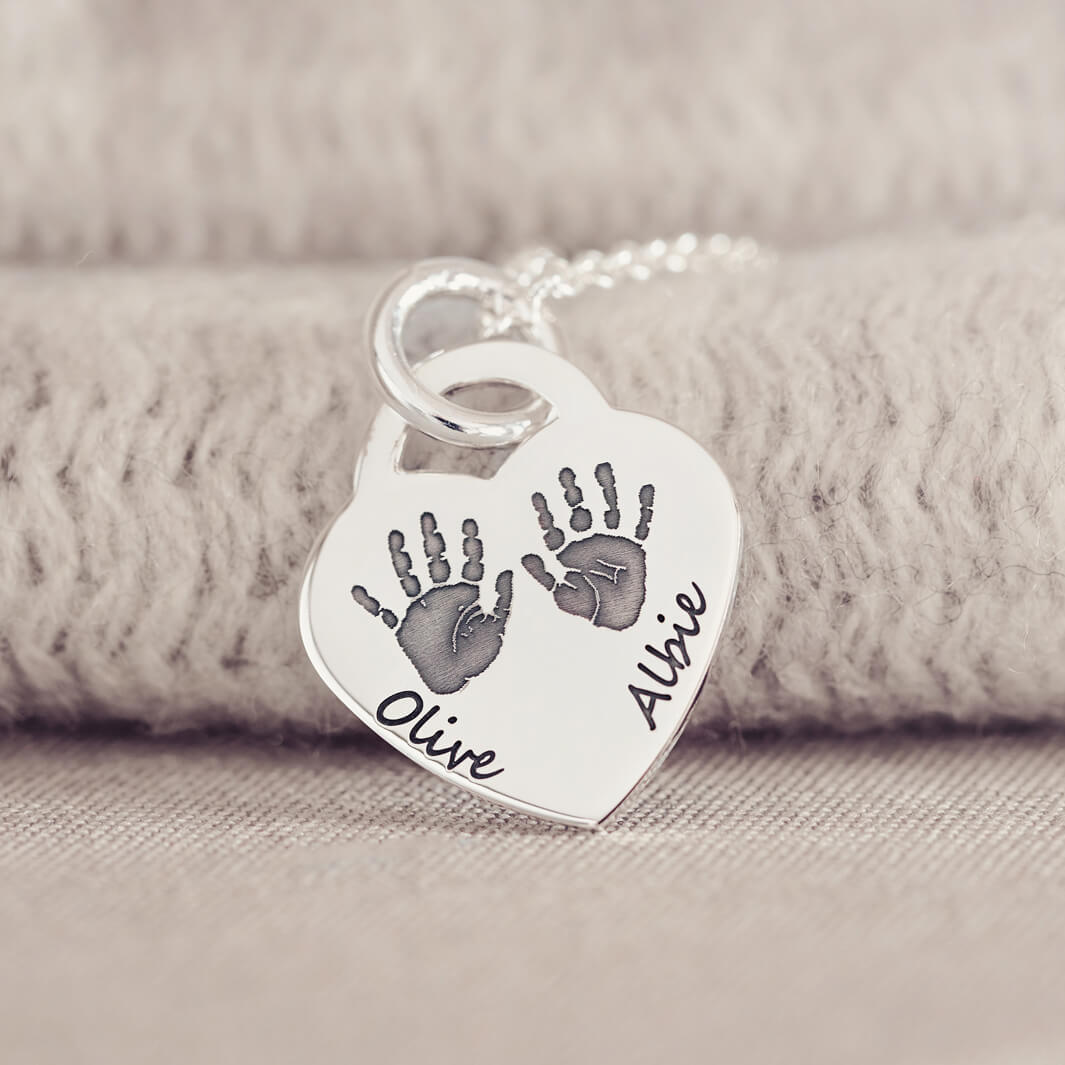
406	393
514	299
537	637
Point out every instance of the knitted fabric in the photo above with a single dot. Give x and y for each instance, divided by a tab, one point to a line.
228	902
250	130
890	413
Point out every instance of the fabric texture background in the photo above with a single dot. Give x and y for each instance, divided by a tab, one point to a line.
197	203
890	414
251	130
884	902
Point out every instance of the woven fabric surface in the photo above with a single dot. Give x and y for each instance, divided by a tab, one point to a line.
137	130
890	901
173	439
890	413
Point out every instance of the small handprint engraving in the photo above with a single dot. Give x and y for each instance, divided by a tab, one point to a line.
605	579
445	633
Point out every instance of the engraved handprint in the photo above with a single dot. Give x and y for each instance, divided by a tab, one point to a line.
605	579
445	633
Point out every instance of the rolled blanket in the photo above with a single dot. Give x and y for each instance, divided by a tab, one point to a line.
891	414
149	131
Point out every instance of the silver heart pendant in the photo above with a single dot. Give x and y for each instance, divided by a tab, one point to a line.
537	637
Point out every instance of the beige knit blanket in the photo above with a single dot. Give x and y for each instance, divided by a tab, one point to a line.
888	405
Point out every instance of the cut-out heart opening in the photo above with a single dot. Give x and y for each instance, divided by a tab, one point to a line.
421	453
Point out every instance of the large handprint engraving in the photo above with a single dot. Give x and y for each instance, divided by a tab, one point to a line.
445	633
605	579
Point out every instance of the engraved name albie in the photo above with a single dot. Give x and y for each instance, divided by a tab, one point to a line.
671	659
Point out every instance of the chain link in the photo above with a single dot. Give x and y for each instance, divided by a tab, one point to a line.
540	275
513	299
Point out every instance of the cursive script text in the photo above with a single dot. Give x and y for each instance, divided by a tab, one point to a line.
669	660
406	711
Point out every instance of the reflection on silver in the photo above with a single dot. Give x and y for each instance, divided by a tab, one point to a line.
564	713
429	411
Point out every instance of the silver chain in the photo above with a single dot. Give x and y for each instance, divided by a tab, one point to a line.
540	275
513	300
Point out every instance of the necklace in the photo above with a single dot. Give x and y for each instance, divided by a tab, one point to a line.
547	649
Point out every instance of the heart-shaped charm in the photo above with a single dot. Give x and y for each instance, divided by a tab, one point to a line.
537	637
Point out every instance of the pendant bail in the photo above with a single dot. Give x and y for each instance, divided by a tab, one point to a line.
429	411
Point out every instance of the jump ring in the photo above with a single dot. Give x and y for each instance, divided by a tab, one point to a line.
422	408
